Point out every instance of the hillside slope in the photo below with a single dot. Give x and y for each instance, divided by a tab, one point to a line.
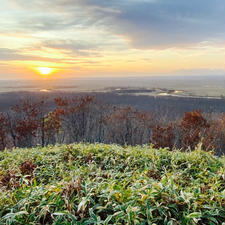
110	184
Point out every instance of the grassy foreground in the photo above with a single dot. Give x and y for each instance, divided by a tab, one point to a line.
109	184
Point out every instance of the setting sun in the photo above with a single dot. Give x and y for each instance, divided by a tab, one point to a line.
44	70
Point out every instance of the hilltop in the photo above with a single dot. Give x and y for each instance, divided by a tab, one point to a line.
111	184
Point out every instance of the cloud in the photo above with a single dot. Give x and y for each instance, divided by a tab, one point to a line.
74	47
163	24
146	24
10	55
7	54
172	23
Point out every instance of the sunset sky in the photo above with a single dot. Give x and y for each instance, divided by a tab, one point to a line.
76	38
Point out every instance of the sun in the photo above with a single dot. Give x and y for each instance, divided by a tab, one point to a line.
44	70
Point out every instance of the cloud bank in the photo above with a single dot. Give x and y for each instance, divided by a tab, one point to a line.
145	24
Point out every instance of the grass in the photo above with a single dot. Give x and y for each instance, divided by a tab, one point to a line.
110	184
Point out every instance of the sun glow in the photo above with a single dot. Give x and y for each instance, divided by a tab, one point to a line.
44	70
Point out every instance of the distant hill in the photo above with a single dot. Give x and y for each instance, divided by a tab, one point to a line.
110	184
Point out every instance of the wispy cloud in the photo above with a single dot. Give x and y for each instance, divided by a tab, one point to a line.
15	55
156	23
162	23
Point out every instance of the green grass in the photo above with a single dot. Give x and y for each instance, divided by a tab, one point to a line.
110	184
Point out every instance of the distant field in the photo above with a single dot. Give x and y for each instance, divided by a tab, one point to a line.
202	86
110	184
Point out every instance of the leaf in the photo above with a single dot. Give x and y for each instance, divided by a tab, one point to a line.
213	219
59	214
195	215
82	205
107	220
93	216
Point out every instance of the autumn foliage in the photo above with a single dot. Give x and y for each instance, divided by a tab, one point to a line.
164	136
193	126
84	119
3	131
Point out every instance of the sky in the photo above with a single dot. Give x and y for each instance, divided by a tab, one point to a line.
82	38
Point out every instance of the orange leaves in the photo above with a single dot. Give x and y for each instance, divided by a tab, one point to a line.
29	108
10	180
4	127
62	102
26	127
27	119
27	167
193	126
127	113
193	120
73	104
163	137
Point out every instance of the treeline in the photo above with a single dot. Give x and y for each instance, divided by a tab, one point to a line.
84	119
